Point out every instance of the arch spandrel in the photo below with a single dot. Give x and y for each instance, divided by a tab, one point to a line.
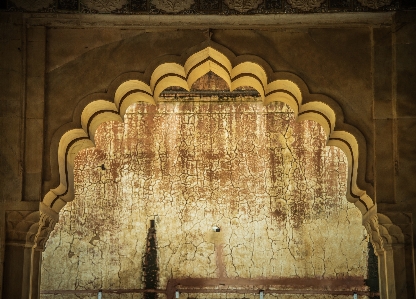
287	88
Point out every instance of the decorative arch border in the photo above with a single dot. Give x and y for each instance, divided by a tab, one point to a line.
31	229
183	71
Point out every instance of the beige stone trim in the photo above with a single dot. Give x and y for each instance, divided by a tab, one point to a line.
30	229
382	232
209	21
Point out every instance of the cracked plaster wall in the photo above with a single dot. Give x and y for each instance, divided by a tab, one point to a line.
270	183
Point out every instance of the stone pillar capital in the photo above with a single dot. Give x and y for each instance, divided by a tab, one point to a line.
30	229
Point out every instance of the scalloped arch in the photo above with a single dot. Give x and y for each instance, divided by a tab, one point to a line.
287	88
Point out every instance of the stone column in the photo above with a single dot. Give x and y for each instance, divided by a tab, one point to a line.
26	234
382	273
389	244
21	275
392	272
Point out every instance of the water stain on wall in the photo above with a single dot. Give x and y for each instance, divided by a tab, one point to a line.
270	183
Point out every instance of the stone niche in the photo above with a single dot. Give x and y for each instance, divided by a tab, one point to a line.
149	195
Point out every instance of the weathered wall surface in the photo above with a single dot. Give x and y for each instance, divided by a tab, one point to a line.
51	62
335	62
269	183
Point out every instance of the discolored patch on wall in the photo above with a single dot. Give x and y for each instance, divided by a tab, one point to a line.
270	184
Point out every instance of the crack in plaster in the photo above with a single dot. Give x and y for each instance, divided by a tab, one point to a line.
270	183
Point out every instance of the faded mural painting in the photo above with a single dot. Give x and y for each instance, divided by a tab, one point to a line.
206	194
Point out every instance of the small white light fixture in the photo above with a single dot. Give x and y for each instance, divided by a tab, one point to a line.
355	296
261	294
177	294
216	229
100	294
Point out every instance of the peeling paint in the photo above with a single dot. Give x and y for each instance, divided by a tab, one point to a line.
270	183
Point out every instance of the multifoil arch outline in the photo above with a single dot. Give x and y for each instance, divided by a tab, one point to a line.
183	71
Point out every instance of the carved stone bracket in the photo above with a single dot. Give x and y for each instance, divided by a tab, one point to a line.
34	5
382	232
172	5
305	5
103	6
39	232
375	4
243	5
18	224
391	236
30	228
